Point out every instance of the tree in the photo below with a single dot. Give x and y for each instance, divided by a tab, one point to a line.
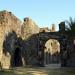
70	25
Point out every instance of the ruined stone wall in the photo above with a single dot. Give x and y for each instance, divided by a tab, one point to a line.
68	53
45	29
15	33
29	30
8	23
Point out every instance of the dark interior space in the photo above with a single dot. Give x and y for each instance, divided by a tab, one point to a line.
17	58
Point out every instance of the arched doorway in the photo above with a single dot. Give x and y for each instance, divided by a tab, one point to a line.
52	52
17	57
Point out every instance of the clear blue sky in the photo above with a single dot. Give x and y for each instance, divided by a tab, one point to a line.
43	12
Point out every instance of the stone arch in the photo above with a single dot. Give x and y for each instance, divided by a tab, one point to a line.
42	40
52	52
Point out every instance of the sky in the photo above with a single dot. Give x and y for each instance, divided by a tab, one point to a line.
43	12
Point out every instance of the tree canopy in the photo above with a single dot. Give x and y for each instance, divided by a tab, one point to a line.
70	25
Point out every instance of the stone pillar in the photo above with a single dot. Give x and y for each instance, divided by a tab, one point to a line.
41	53
63	52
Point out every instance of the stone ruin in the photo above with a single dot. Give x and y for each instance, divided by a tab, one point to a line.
15	45
24	44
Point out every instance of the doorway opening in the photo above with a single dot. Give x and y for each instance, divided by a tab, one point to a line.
17	57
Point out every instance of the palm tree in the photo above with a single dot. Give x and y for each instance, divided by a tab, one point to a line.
70	25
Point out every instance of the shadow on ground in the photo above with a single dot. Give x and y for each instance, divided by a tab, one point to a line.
38	71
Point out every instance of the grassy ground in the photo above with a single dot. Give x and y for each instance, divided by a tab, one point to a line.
39	71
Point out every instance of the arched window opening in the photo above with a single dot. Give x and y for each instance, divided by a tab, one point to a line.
52	52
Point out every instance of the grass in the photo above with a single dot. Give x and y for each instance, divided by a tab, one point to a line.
39	71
